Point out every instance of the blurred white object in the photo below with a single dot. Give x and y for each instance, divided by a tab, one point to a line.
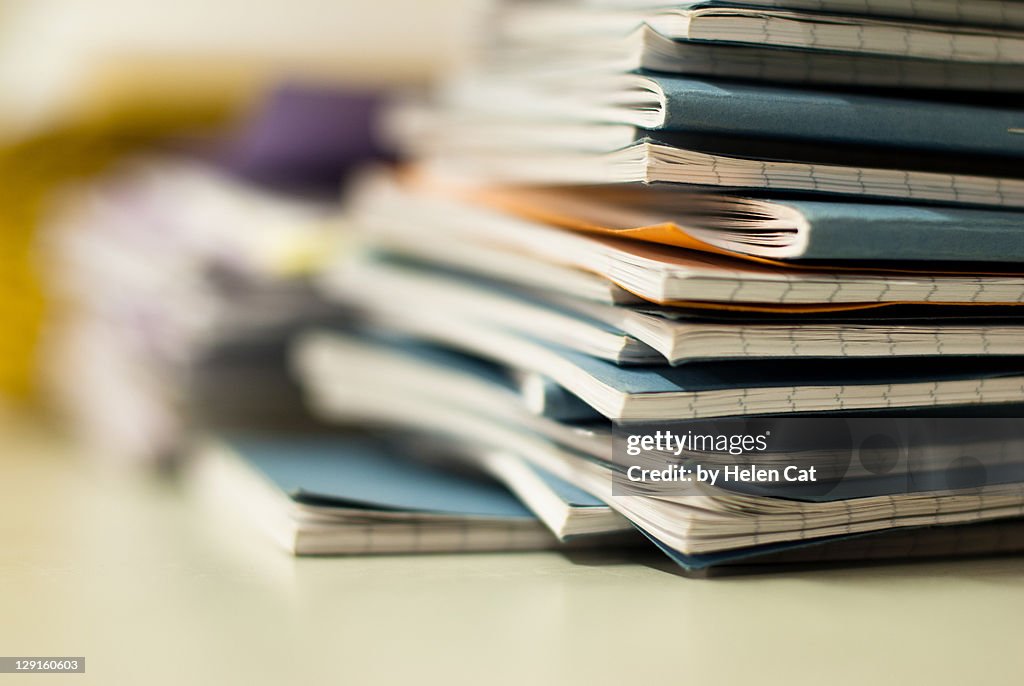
149	268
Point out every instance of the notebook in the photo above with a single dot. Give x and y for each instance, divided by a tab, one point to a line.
630	334
414	223
604	114
727	22
353	363
1000	537
414	367
648	49
331	496
730	388
363	280
778	229
651	161
997	13
504	265
570	513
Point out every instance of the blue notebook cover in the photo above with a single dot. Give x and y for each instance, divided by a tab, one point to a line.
354	473
699	562
723	107
735	374
1003	15
570	494
728	374
770	63
561	406
855	231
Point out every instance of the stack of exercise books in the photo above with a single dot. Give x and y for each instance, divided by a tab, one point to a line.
178	276
180	279
723	218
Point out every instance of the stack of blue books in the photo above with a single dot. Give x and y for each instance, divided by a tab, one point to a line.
624	225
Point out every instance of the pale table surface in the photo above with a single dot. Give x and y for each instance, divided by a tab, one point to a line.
134	573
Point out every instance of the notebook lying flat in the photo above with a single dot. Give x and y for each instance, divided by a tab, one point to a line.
652	161
354	363
997	13
602	114
348	496
728	388
787	229
728	22
646	48
426	225
630	334
569	512
366	280
347	361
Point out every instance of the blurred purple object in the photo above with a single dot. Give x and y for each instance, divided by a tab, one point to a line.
306	137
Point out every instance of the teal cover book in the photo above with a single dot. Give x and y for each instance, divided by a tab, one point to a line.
354	473
720	107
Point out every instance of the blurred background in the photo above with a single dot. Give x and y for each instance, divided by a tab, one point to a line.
168	174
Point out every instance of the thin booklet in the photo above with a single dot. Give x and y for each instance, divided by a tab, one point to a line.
601	114
333	496
726	22
697	165
776	228
724	388
646	48
993	13
414	223
635	335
